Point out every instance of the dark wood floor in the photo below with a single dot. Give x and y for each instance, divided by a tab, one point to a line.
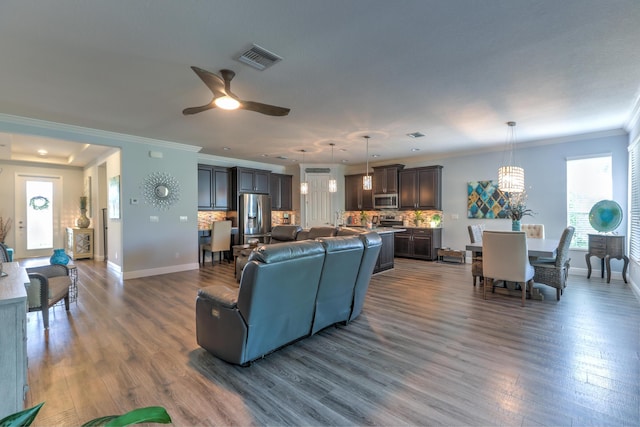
427	350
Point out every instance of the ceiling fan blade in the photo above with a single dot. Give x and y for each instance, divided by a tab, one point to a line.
213	82
269	110
194	110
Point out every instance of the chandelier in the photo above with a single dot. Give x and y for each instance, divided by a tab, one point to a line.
510	177
366	179
333	183
304	185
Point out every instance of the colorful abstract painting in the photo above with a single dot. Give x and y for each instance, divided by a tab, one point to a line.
485	200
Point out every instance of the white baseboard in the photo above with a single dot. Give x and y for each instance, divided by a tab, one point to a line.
162	270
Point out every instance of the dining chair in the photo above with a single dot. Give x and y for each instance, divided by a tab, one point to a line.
475	235
4	254
504	257
220	240
533	231
554	272
47	285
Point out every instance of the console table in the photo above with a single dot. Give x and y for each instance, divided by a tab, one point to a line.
13	338
605	247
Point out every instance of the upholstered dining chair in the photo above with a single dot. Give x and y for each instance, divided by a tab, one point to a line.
554	272
4	255
47	285
475	235
533	231
504	257
220	240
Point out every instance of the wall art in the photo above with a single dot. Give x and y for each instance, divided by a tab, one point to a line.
485	200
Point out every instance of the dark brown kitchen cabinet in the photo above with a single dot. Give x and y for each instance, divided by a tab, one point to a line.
385	179
421	188
281	196
355	197
251	180
387	253
213	188
418	243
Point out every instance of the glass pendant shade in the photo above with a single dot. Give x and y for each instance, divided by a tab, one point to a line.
366	182
333	185
511	179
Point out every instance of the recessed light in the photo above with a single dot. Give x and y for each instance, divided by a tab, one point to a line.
375	156
344	161
415	149
43	152
226	148
282	157
343	149
264	155
415	134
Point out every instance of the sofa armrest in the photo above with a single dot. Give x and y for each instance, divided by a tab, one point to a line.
224	295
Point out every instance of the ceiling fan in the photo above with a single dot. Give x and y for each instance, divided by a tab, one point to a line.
225	99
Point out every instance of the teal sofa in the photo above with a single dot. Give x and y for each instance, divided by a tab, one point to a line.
288	291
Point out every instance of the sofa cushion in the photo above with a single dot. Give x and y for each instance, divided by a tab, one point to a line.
284	233
315	232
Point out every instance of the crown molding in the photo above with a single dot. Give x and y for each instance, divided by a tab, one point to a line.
26	125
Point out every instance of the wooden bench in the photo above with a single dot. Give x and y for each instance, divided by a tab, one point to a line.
450	255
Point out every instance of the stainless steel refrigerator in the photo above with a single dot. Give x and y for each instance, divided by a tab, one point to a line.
254	217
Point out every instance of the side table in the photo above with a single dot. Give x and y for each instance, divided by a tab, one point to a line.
73	289
605	247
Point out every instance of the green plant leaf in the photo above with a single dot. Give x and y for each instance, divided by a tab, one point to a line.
22	418
150	414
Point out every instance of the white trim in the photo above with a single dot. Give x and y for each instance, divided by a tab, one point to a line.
162	270
634	116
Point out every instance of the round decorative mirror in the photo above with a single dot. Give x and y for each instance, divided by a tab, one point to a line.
161	190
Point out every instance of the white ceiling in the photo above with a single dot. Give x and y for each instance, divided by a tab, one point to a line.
453	70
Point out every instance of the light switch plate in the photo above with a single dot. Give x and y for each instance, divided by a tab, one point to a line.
183	218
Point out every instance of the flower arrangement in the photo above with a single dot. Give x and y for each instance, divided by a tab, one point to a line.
5	226
517	206
418	217
364	218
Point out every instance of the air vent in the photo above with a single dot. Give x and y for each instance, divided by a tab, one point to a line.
416	135
317	170
259	58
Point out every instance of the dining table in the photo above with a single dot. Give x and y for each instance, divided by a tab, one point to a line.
537	248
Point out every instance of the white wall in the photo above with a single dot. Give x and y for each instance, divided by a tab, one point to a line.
544	163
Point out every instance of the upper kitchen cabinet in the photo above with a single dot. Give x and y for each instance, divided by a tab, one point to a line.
421	188
213	188
281	196
355	197
246	180
251	180
385	179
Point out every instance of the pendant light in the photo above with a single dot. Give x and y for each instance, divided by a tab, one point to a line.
304	185
333	183
366	180
510	176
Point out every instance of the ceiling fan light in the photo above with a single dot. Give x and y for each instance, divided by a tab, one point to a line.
227	103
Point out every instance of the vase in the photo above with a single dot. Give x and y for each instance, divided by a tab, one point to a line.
59	257
83	221
515	225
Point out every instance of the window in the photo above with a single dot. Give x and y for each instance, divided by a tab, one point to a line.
634	201
589	180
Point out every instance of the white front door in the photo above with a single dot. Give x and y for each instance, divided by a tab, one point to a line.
319	202
38	204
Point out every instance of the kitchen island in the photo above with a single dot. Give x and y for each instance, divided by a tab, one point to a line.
387	251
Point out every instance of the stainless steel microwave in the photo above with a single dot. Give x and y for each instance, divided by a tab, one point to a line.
385	201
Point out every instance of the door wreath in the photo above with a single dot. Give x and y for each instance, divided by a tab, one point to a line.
39	203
